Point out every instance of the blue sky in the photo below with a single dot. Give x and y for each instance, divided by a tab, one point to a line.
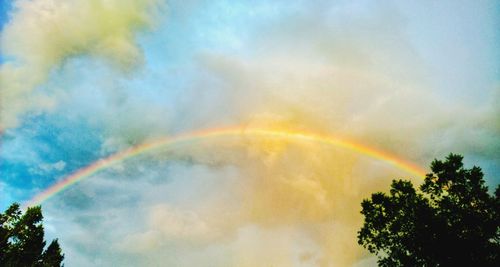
5	6
418	80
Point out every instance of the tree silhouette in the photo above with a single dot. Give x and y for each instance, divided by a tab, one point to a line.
450	221
22	240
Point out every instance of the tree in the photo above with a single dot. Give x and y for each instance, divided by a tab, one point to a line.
451	220
22	240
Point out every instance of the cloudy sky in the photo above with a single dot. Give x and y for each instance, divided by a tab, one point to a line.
81	80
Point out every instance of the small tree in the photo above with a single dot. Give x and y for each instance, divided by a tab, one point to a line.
450	221
22	240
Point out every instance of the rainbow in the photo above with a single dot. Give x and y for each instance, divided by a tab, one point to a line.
222	132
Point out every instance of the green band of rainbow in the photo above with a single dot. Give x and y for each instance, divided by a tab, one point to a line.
222	132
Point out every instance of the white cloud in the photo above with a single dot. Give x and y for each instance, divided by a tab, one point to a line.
41	34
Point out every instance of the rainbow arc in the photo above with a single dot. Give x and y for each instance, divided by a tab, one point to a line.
238	131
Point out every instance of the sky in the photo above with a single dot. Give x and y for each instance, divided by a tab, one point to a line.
81	80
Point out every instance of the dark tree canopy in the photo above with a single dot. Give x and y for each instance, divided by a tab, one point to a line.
22	240
450	221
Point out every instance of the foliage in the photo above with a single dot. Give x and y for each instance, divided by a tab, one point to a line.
450	221
22	240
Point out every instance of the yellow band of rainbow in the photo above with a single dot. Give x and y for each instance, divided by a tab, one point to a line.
223	132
